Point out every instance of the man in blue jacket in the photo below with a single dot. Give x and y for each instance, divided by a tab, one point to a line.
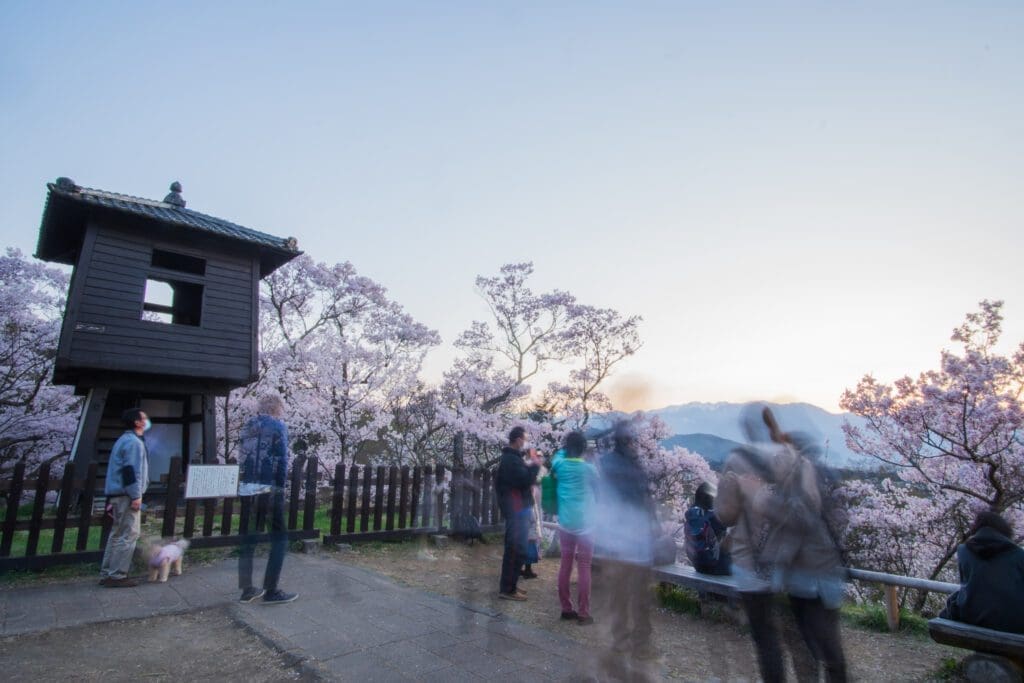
127	479
513	483
264	462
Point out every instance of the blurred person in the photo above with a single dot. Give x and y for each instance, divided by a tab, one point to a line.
126	482
706	535
769	495
575	484
625	528
513	484
264	467
991	567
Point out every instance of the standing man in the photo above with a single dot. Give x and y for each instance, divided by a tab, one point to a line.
264	462
514	483
625	538
127	478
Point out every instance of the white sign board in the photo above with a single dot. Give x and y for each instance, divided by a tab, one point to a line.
211	481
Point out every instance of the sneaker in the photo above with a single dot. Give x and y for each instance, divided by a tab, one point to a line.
522	591
250	594
517	596
529	574
585	621
278	597
570	615
123	582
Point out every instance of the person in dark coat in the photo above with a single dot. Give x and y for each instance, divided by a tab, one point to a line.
513	484
991	565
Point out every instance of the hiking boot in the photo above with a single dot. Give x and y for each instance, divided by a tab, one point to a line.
517	596
278	597
250	594
123	582
585	621
570	615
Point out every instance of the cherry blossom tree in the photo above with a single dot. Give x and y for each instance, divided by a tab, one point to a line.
953	440
37	419
342	355
529	334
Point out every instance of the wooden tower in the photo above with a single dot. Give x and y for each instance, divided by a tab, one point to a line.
162	313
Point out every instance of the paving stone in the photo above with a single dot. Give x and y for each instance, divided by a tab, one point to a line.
409	659
363	667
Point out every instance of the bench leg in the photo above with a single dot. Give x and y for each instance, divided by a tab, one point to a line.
985	668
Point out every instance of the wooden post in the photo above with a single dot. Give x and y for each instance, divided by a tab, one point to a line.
428	495
13	501
190	518
478	484
225	517
63	506
892	608
364	516
439	504
353	493
85	513
38	503
414	500
171	506
309	512
209	510
486	516
293	500
389	523
245	522
337	498
378	498
403	498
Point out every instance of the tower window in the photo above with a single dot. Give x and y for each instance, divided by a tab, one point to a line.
174	303
179	262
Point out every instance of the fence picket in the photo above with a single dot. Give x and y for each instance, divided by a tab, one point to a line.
63	505
85	514
403	498
309	512
13	502
389	524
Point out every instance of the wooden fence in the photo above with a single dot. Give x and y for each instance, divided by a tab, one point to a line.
366	503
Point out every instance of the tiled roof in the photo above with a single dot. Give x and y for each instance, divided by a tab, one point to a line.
171	214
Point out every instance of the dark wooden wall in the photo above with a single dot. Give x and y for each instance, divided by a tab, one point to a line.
103	329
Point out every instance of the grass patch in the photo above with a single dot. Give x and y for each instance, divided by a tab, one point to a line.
678	599
872	616
951	669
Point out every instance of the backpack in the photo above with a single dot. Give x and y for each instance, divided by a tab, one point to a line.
702	545
549	495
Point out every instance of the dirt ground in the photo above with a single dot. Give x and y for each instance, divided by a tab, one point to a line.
206	645
693	648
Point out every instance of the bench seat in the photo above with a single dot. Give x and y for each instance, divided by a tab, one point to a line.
689	577
969	637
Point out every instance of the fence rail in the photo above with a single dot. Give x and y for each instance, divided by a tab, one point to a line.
364	503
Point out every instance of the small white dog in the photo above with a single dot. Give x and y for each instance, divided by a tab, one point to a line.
164	558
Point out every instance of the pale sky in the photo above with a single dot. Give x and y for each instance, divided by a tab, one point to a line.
791	195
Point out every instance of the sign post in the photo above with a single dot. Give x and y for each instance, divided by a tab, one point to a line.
212	481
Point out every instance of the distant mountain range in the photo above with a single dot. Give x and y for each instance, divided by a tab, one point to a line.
713	429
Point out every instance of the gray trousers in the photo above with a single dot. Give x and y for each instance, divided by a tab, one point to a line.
117	557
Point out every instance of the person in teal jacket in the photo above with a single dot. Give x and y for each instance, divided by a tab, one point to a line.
575	483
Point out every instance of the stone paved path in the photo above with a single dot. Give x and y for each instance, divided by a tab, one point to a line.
348	624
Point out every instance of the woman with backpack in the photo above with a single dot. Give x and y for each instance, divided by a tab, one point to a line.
575	483
705	535
769	494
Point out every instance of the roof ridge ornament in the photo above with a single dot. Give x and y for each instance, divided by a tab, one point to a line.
174	198
66	184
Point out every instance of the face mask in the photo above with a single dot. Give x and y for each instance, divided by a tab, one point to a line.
147	425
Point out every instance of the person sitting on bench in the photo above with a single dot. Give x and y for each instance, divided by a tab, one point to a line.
991	565
705	534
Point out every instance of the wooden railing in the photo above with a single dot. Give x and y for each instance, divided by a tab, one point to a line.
366	503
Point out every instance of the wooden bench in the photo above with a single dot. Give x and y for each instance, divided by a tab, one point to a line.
689	577
997	656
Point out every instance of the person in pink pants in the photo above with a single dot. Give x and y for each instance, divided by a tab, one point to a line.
575	483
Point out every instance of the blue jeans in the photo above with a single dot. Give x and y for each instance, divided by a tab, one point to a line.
516	531
259	517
